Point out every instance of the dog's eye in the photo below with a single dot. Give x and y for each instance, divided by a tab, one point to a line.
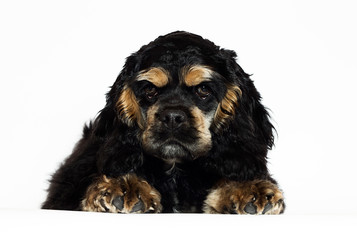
203	91
150	92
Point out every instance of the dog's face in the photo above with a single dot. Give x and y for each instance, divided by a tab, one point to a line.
177	113
177	99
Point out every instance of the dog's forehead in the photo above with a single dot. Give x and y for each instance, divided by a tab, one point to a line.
189	75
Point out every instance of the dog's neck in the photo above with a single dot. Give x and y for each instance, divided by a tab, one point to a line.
170	168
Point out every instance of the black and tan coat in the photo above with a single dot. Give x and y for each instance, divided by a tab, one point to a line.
183	130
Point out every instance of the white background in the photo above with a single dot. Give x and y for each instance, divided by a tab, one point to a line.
58	59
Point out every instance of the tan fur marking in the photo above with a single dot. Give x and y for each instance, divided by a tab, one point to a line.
150	122
157	76
202	124
212	201
132	189
227	107
128	107
194	75
101	193
234	196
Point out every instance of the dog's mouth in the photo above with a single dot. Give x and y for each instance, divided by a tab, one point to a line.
174	150
168	148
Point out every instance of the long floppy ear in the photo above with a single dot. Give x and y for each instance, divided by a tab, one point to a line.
242	105
254	113
118	124
122	105
258	116
242	130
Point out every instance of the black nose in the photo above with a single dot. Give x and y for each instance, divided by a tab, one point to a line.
173	118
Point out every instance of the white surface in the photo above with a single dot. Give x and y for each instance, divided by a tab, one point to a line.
77	225
58	58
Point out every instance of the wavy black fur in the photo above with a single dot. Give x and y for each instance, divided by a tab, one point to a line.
109	146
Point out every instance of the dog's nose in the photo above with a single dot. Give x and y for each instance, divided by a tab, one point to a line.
173	118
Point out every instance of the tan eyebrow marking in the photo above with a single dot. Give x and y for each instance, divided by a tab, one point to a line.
157	76
194	75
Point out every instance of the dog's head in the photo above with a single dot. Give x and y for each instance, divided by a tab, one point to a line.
182	91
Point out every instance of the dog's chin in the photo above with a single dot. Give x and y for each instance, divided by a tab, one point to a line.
174	151
171	151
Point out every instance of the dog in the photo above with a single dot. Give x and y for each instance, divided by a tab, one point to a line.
183	130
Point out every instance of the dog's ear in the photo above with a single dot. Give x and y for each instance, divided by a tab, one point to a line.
117	124
241	107
124	100
122	108
242	132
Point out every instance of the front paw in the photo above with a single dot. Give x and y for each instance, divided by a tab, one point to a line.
126	194
253	197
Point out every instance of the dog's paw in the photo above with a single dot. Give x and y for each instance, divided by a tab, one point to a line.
126	194
253	197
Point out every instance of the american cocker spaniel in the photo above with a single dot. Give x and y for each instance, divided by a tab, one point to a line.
183	130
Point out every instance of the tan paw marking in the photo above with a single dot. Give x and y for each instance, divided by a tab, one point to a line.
253	197
126	194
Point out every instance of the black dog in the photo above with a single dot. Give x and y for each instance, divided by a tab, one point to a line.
183	130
